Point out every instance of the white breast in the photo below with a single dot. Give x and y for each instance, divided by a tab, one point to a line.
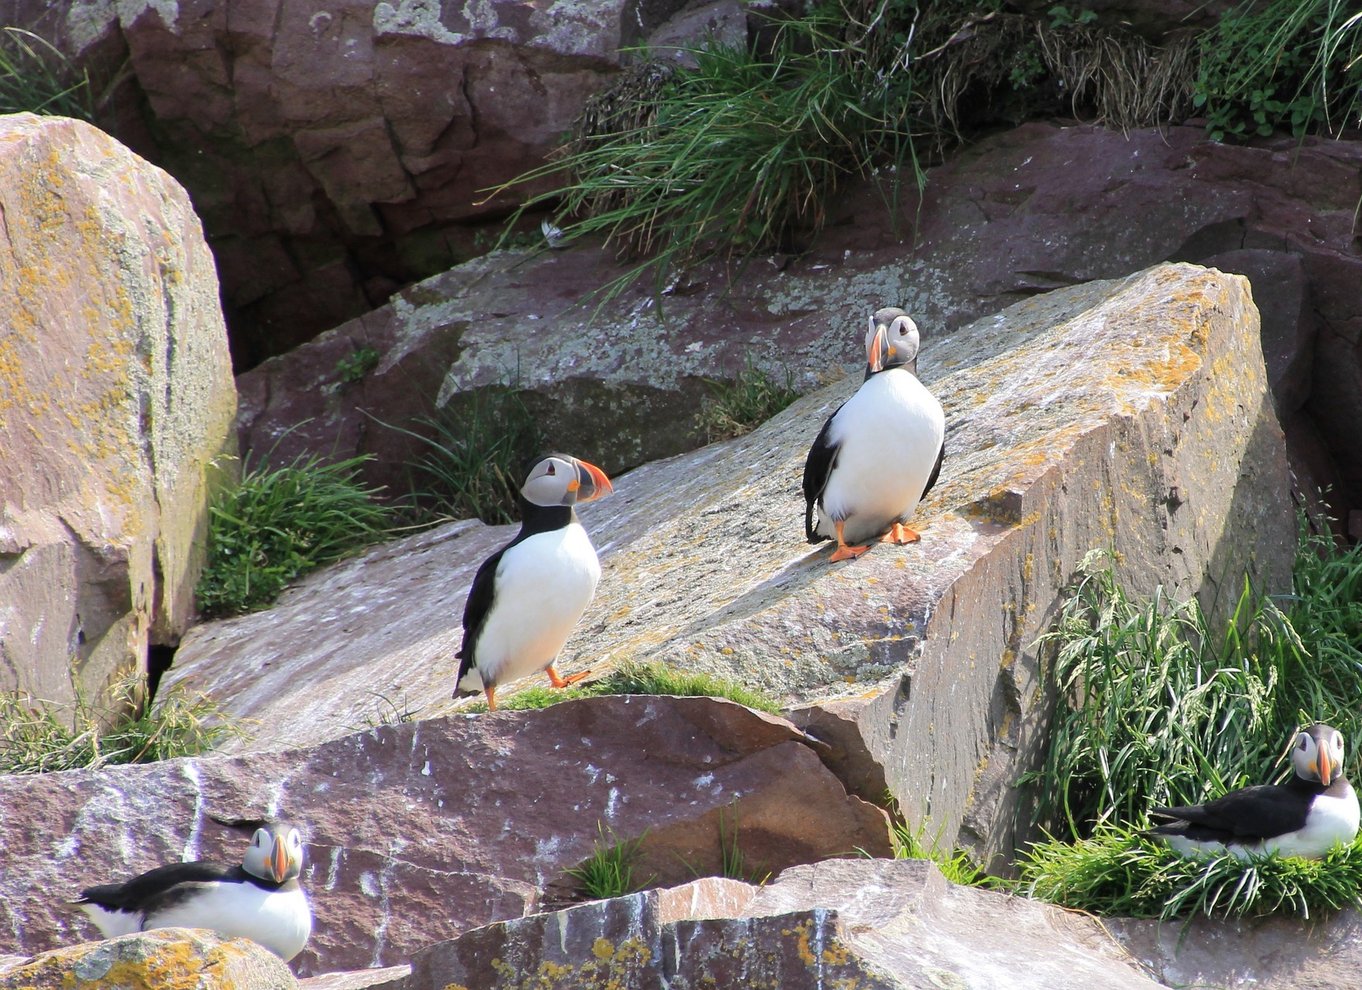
888	436
280	920
543	585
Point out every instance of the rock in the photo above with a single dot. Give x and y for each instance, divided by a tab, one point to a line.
1131	415
861	923
164	959
116	398
387	978
417	832
1272	953
336	154
1016	214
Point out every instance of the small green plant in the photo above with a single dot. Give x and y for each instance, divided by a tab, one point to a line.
36	77
956	866
740	406
387	712
609	870
1117	871
357	364
280	523
1296	65
733	863
475	451
35	739
632	677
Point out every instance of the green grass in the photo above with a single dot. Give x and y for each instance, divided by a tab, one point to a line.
955	865
737	155
609	870
34	739
1117	871
355	365
733	862
475	453
636	678
36	77
280	523
736	407
1294	65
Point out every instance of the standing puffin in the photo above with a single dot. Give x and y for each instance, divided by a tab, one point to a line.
1305	816
260	900
880	452
527	596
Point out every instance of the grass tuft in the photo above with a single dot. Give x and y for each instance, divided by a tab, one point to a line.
609	870
33	739
35	77
1117	871
632	677
476	449
956	866
740	406
280	523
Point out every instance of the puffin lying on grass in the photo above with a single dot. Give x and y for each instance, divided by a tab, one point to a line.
880	452
1306	816
527	597
260	900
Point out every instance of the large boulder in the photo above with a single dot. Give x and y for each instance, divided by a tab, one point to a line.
337	152
419	831
865	924
116	400
1017	214
165	959
1130	415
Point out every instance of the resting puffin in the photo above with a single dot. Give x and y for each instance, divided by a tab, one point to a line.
260	900
880	452
1305	816
527	596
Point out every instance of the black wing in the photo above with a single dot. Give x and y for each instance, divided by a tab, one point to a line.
475	610
817	469
1261	811
936	471
144	892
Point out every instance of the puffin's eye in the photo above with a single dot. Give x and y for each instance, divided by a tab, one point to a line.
1304	742
551	470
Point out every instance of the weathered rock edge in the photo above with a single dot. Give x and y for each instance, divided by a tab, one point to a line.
873	925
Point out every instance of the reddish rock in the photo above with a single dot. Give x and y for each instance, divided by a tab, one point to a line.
418	832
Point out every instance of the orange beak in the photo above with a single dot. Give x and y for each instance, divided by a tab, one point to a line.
1325	767
878	352
590	483
279	860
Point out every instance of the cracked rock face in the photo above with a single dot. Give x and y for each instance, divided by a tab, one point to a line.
1131	415
116	398
417	832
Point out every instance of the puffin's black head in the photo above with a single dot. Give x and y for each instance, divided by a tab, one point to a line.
1318	753
561	479
275	853
892	341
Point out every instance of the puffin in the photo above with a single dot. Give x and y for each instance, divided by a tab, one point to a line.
880	452
260	900
527	597
1306	816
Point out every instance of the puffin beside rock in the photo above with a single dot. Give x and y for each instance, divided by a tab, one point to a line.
880	452
260	900
527	597
1314	810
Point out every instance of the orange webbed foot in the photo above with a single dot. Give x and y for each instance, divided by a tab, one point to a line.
844	552
491	693
559	681
899	533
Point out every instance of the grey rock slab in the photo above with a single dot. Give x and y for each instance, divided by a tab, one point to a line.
1131	416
